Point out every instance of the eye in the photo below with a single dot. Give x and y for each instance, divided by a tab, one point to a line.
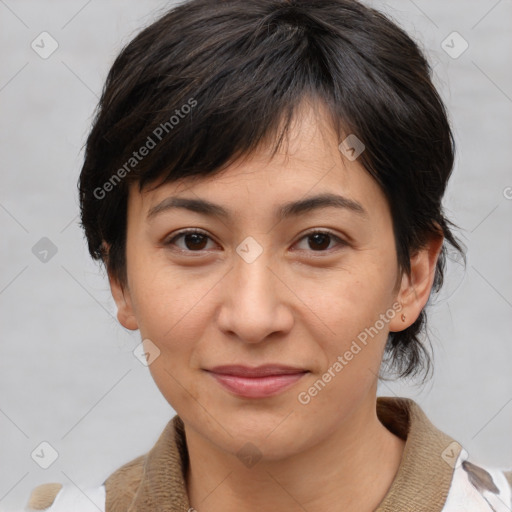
319	241
194	240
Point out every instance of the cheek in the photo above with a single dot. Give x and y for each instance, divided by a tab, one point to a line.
352	313
167	300
352	346
348	301
171	311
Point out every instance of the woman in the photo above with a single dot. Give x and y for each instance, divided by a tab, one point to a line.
264	183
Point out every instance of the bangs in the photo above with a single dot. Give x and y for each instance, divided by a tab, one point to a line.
196	110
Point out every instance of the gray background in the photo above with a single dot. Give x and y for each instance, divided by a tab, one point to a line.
67	372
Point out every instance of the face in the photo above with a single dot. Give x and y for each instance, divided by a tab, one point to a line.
254	287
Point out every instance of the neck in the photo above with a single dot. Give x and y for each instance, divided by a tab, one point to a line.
350	470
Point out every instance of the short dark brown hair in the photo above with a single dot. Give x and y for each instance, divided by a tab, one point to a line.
211	80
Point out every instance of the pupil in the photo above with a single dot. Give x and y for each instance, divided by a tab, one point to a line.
318	238
196	241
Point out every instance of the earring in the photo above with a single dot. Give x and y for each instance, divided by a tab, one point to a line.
403	317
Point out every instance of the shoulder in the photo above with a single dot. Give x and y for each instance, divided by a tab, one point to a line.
114	494
479	487
43	496
508	476
56	497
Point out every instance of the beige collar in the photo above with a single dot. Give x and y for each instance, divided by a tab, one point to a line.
156	481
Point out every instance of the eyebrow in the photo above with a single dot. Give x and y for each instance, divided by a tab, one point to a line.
291	209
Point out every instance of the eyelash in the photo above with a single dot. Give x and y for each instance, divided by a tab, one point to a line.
185	232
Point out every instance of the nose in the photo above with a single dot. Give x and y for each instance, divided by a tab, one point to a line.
255	301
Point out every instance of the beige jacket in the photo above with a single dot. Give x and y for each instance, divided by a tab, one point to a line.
434	474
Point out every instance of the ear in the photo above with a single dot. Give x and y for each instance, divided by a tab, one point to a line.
121	296
415	289
125	313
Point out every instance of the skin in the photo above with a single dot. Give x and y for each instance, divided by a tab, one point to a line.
294	304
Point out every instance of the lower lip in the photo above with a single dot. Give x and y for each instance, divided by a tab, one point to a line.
257	387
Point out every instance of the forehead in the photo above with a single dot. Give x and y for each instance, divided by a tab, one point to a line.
308	164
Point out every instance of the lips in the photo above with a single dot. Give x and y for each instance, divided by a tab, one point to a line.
258	371
256	382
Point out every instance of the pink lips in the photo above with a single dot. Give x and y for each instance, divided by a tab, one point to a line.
259	382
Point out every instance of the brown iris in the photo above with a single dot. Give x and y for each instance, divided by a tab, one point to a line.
321	241
195	241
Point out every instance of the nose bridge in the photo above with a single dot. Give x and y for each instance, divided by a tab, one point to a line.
253	280
253	304
251	265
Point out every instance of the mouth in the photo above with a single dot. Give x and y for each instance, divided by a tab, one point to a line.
256	382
